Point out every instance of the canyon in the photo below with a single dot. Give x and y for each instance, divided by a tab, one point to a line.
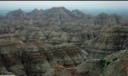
62	42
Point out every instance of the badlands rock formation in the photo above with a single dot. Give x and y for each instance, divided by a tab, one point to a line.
110	39
115	64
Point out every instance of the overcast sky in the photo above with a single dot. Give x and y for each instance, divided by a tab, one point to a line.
25	5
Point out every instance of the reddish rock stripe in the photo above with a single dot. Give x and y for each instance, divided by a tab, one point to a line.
18	43
9	36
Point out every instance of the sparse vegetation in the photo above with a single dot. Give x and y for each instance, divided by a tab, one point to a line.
104	63
31	42
114	59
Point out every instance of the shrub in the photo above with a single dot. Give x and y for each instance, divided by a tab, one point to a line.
108	62
104	63
114	59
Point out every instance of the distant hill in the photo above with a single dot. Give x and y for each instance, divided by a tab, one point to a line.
3	12
93	12
121	12
52	14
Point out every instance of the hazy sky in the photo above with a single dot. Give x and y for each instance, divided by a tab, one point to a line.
11	5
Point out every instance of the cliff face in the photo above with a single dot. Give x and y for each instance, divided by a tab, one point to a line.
35	58
110	39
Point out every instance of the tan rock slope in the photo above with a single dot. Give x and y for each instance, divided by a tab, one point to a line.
115	64
111	39
35	58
